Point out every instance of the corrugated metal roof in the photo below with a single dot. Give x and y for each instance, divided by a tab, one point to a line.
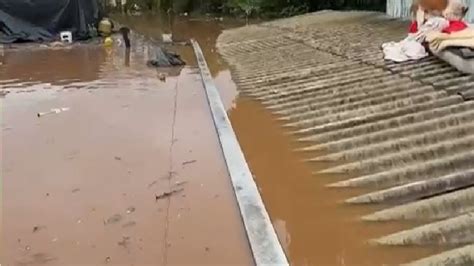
404	130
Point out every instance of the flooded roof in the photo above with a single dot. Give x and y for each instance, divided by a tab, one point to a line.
403	131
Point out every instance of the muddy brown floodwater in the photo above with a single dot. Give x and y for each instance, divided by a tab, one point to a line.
130	171
86	186
313	225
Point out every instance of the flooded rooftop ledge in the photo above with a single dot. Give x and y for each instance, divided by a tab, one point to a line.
262	237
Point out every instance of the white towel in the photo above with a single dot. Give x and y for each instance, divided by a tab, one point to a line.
405	50
411	47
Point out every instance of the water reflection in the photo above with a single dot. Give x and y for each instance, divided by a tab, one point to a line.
56	66
203	30
127	57
93	66
28	68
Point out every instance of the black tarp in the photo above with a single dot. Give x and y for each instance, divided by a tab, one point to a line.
164	58
42	20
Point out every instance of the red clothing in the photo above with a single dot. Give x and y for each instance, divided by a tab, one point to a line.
454	25
413	27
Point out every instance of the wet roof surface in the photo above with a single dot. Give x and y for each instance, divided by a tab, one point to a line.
404	131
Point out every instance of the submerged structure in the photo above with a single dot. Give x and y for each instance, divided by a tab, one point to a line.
24	20
404	132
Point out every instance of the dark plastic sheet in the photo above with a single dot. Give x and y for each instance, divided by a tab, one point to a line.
42	20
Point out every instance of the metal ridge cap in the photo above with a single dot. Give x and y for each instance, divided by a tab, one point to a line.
263	240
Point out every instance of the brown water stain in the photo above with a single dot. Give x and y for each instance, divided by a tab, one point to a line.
313	224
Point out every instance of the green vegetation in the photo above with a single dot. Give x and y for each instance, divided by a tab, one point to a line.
269	8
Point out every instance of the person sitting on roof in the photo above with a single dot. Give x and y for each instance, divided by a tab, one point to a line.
452	10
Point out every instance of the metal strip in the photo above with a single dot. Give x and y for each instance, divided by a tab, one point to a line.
262	237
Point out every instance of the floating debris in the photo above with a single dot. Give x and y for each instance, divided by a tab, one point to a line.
167	38
118	158
124	242
164	58
76	190
113	219
168	194
162	77
130	210
180	183
53	111
189	162
38	228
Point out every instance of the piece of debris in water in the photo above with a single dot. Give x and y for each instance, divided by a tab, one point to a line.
117	158
164	58
162	77
38	228
76	190
180	183
124	242
113	219
53	111
107	259
168	194
130	210
167	38
189	162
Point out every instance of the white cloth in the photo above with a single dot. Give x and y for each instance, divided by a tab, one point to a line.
411	47
405	50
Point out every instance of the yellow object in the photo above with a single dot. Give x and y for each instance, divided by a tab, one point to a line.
105	27
108	42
